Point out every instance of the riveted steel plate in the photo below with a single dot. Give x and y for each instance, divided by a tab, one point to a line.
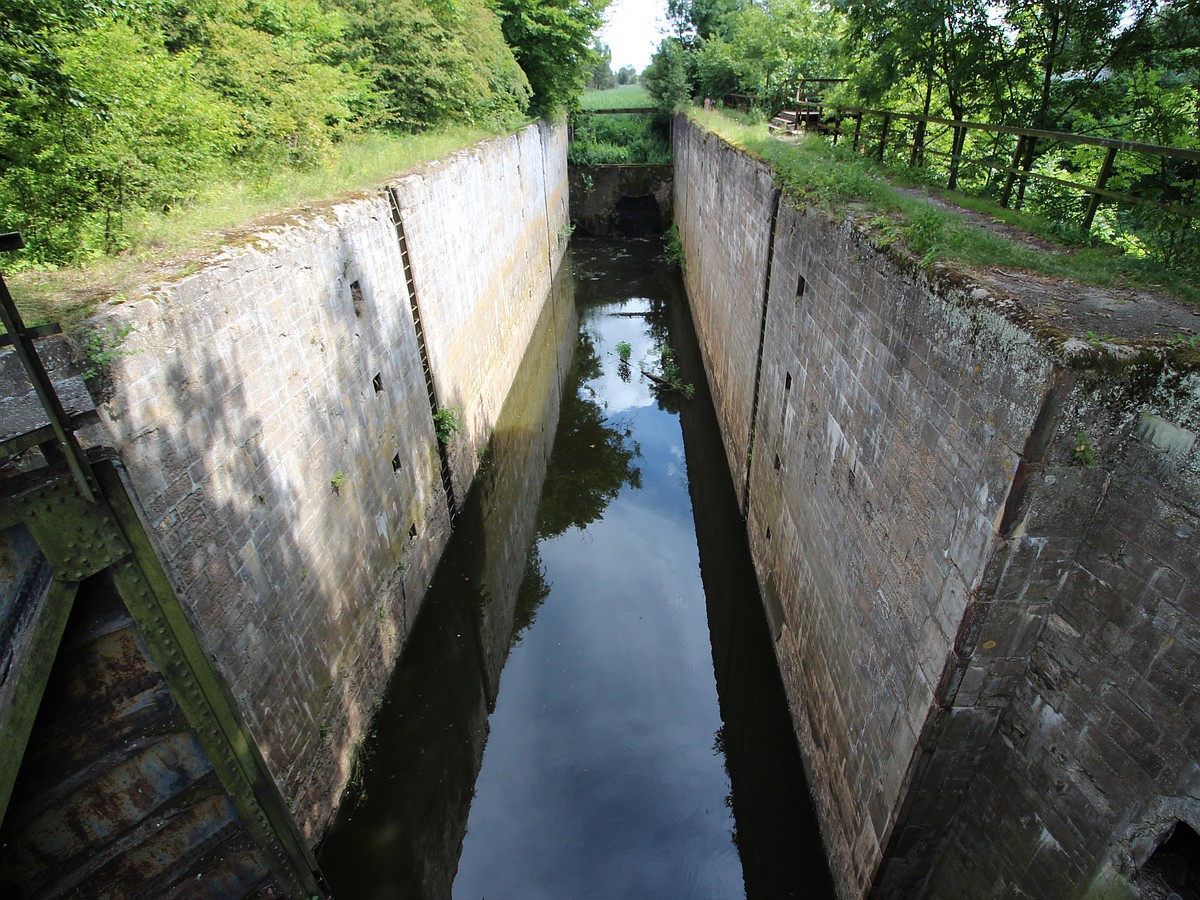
78	538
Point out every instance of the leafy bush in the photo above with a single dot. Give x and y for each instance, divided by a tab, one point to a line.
617	140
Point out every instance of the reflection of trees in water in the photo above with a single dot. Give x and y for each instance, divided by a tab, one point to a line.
533	593
592	459
667	399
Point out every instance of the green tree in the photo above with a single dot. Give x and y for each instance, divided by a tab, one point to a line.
552	40
126	125
601	77
123	108
764	50
666	78
278	68
437	62
693	21
928	50
1055	51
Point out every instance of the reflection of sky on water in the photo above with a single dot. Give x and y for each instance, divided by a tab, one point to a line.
619	394
600	778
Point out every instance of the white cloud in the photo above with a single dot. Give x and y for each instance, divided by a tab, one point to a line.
633	30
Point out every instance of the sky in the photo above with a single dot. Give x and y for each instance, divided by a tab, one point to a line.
633	30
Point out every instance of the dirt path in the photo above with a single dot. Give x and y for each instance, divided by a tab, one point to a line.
1105	312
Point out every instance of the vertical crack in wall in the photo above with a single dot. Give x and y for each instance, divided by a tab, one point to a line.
434	407
896	874
762	336
551	236
1033	454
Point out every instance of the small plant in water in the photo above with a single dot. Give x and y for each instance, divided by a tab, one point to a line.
669	369
624	350
447	422
1085	452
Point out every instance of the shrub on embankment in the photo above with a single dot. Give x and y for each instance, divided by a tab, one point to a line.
119	112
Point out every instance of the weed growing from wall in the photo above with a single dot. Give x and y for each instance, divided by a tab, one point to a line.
101	347
674	249
447	422
1085	452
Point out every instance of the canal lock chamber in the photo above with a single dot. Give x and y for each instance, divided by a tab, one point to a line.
638	741
956	653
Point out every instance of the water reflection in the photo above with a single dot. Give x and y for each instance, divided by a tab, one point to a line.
616	761
600	777
593	454
400	830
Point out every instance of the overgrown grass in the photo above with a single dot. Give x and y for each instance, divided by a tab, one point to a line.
625	96
839	182
605	140
170	245
619	139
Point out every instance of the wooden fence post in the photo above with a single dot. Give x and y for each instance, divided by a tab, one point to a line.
956	149
883	136
857	130
1101	180
1012	171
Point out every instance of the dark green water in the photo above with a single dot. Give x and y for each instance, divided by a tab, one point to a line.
588	705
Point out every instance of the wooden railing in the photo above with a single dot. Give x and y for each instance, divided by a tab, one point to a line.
1017	171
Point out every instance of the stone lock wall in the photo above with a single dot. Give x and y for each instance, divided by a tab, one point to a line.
487	232
724	207
273	414
980	634
1072	730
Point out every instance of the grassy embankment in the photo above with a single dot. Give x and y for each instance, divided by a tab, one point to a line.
624	96
170	246
841	182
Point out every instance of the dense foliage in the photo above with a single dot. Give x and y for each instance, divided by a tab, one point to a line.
110	108
619	140
552	40
1127	69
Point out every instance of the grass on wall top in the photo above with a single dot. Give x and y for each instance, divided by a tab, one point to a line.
173	245
812	171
